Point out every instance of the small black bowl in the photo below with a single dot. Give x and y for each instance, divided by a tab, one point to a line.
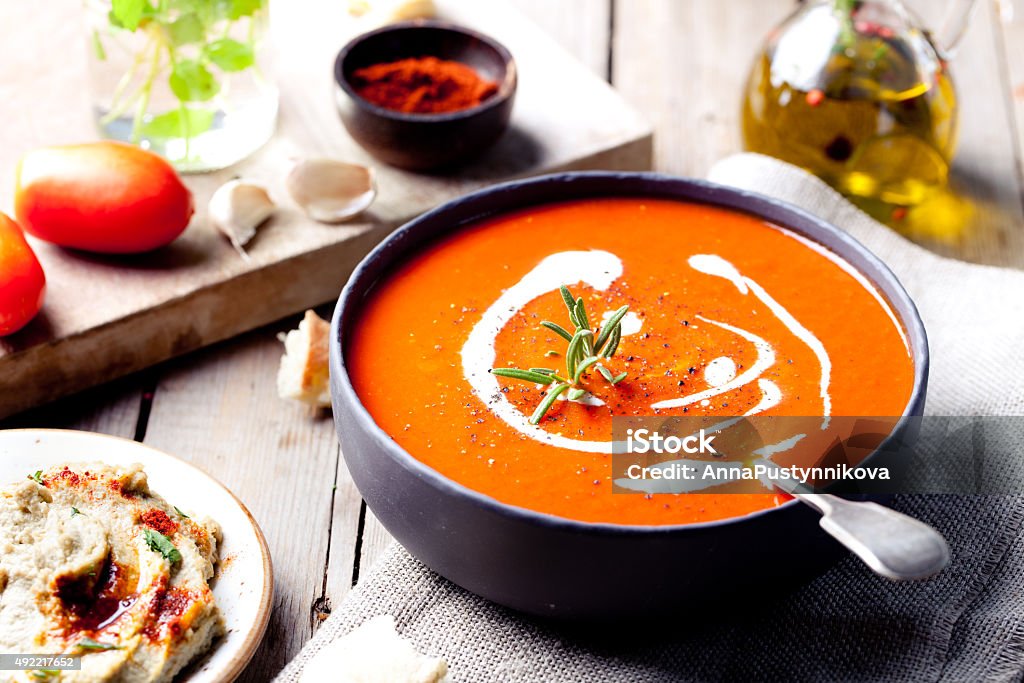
557	567
421	142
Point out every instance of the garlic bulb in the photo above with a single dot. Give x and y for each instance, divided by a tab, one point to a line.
331	191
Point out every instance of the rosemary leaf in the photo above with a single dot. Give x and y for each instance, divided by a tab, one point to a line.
587	345
570	301
605	372
525	375
548	401
572	355
582	367
557	329
618	378
581	314
543	371
576	394
609	326
613	342
549	353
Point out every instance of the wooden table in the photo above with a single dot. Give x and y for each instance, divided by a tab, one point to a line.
683	63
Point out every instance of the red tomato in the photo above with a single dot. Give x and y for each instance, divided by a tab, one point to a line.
106	197
22	282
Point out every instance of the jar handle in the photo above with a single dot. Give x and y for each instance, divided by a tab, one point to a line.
953	28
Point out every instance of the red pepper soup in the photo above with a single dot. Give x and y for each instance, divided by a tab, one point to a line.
727	315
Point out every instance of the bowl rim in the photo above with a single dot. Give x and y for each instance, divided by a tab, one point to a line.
755	204
506	88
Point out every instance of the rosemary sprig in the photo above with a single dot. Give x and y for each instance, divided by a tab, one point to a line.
585	351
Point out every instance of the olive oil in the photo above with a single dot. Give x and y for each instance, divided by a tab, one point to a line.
864	101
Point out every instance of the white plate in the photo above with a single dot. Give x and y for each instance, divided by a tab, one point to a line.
243	587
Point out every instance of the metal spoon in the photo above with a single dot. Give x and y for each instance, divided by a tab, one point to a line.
892	544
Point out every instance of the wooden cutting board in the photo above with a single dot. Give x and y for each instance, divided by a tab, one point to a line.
105	317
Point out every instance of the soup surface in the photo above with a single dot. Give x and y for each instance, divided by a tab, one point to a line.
728	315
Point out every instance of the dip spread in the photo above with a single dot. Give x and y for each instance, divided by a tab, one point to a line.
93	563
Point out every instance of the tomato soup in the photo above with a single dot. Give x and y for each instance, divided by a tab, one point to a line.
728	316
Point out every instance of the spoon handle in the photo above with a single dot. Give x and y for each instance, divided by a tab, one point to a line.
890	543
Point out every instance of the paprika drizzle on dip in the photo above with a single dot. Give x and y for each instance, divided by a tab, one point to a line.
728	315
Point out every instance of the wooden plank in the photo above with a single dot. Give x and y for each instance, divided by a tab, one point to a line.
1010	32
110	409
107	317
219	409
684	64
374	540
583	27
345	561
987	169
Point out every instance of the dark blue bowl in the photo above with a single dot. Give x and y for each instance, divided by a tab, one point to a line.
555	567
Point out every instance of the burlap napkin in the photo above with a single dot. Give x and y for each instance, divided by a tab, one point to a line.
966	624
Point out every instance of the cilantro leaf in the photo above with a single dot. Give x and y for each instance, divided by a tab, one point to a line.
186	29
37	477
127	13
244	8
177	123
159	543
230	55
190	81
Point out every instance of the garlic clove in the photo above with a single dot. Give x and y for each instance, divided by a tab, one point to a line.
404	10
237	208
331	191
382	12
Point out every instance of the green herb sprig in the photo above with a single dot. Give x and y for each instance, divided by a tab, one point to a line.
585	351
159	543
186	43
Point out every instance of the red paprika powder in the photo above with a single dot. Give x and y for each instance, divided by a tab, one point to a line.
423	85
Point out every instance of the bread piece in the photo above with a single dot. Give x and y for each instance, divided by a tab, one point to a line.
304	374
374	653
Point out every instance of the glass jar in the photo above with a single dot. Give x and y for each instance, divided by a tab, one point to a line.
186	79
857	92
